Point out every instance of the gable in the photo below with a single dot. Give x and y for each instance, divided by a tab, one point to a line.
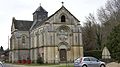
69	18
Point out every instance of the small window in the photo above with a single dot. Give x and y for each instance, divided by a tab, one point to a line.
23	39
62	18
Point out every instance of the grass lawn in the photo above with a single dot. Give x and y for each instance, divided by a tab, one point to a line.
54	65
40	64
65	66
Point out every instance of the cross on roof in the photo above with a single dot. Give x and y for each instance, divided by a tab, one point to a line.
40	4
62	3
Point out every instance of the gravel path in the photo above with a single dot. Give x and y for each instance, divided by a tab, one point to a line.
113	64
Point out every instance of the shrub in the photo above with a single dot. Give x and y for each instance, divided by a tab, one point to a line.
40	60
23	61
19	61
94	53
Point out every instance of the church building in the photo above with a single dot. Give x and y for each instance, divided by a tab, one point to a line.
56	38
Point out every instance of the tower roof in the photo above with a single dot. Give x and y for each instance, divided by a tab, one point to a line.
40	9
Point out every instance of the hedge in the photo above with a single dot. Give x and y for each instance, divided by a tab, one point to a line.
94	53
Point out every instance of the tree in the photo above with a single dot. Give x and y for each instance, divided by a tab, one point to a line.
88	35
109	16
98	32
92	38
113	43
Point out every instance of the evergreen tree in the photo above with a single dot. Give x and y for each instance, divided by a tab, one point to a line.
113	43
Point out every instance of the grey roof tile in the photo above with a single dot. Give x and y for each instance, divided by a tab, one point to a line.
40	9
23	25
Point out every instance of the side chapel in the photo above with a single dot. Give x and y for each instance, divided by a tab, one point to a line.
56	38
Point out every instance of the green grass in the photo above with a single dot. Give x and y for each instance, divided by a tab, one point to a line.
54	65
33	64
65	66
51	65
39	64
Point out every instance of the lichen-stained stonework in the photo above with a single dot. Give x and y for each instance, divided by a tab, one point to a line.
55	39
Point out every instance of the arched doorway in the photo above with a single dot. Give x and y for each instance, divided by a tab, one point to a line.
63	55
63	48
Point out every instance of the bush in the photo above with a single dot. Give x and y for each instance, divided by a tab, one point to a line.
19	61
29	61
24	61
40	60
94	53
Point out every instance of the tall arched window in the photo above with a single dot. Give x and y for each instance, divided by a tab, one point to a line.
63	18
23	39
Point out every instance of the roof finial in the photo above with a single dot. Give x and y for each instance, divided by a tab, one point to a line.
62	3
40	4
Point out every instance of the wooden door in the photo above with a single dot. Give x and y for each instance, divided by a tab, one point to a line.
63	55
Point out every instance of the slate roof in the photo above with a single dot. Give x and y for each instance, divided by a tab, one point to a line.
39	23
22	25
40	9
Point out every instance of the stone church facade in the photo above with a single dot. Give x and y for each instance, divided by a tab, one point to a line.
55	39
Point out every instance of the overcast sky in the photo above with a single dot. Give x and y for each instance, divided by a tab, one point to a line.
23	9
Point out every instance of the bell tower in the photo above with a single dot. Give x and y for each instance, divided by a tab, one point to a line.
40	14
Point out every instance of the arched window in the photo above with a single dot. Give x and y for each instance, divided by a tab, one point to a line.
62	18
23	39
